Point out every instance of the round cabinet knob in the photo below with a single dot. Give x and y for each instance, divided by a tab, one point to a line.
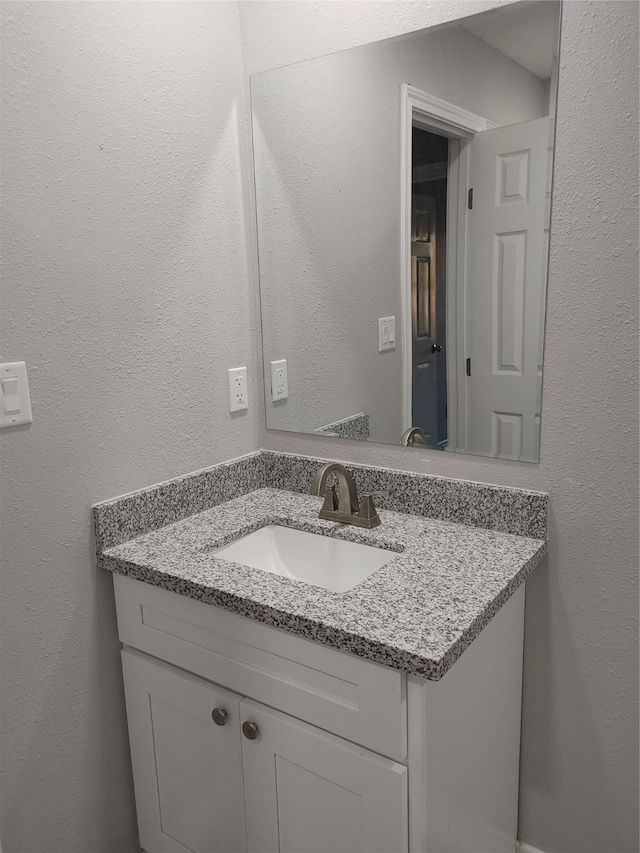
219	716
250	730
436	348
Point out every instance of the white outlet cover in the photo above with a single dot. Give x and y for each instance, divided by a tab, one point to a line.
238	399
279	380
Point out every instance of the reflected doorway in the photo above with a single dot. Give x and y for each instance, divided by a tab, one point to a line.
430	165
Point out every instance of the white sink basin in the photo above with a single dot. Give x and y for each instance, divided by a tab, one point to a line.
319	560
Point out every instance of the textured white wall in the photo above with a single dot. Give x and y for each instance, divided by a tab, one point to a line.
326	148
124	287
579	775
124	272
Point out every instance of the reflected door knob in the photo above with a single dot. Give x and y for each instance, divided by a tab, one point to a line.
250	730
219	716
436	348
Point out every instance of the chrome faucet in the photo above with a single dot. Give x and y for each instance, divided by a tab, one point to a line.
345	506
414	435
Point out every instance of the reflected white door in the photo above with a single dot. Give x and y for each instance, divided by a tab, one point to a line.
307	791
505	287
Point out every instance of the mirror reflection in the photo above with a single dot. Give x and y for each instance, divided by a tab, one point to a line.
403	195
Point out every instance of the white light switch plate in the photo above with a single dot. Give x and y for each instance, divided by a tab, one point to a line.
386	333
15	402
279	382
238	398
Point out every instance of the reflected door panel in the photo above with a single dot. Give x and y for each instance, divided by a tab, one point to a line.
506	254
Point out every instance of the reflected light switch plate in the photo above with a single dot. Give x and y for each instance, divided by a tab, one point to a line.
386	333
15	403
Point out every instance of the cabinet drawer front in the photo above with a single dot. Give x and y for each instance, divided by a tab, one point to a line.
339	692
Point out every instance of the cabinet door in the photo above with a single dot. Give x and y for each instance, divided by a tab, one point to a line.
307	791
187	771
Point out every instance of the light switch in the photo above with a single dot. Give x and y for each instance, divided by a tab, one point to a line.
386	333
10	396
15	403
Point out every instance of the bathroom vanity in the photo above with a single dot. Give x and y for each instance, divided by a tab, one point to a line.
266	713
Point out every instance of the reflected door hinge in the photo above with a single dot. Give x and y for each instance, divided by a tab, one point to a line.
470	198
468	367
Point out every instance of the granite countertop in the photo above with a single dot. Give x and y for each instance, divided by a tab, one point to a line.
417	613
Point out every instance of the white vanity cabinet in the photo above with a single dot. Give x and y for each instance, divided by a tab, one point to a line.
245	737
283	786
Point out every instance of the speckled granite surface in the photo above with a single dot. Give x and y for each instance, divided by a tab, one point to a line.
510	510
418	613
517	511
127	516
356	428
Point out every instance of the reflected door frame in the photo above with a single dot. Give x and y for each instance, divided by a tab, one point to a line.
459	126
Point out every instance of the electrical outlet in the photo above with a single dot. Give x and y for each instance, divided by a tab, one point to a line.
279	384
238	398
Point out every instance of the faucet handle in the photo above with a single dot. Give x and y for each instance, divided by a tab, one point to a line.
376	493
367	509
330	499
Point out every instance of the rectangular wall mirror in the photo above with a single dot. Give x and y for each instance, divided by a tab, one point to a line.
403	193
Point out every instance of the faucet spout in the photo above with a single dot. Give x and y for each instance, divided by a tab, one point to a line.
347	509
348	502
414	435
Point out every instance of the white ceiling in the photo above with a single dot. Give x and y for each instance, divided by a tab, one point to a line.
526	32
